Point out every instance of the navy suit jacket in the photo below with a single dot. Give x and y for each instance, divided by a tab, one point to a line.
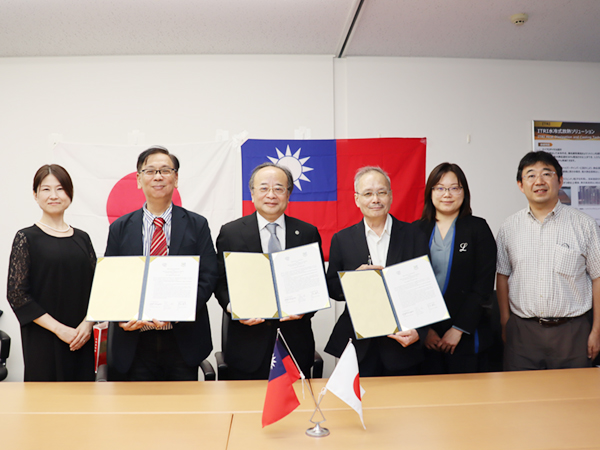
190	235
472	275
348	251
248	346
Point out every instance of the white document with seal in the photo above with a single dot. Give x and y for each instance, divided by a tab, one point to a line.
300	280
171	289
415	293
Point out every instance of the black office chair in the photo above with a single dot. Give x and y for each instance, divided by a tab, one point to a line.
223	370
208	370
4	352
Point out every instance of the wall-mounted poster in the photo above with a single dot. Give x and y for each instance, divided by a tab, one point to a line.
576	146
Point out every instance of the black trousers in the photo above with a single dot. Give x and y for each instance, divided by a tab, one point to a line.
157	358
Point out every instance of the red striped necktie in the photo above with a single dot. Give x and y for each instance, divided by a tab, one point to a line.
158	246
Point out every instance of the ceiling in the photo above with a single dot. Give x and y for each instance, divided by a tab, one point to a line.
557	30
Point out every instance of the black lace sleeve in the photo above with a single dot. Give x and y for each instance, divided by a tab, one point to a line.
19	298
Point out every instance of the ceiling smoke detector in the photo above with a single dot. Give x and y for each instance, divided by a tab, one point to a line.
519	19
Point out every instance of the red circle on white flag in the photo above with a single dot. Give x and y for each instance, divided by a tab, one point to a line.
125	197
357	386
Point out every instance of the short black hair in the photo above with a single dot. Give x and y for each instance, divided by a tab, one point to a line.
156	149
429	211
288	174
533	158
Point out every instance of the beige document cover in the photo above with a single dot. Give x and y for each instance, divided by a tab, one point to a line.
250	284
117	289
368	303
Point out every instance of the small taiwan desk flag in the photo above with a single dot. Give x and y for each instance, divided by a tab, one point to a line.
281	398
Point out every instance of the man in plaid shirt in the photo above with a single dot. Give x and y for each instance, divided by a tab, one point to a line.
548	275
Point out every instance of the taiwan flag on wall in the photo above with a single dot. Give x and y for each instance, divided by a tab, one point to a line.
324	170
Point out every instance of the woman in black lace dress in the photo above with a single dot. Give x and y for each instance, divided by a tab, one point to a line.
49	281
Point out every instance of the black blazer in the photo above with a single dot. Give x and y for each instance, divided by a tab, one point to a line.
248	346
190	235
348	251
471	275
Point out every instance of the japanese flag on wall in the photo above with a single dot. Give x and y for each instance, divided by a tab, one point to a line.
105	187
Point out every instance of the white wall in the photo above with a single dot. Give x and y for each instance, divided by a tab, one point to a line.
172	99
177	99
445	100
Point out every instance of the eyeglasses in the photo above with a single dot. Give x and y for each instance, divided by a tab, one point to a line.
277	190
546	176
164	171
441	190
370	194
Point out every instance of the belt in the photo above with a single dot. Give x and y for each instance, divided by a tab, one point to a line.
549	322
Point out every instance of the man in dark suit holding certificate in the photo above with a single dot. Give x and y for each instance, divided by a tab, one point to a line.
250	342
375	242
157	351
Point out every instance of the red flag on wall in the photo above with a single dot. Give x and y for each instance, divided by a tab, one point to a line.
324	172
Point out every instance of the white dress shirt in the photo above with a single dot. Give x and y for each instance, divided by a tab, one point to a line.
378	245
265	234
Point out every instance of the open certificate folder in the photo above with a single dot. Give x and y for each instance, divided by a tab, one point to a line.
276	285
144	288
399	297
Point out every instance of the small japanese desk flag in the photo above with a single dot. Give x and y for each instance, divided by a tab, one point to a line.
345	382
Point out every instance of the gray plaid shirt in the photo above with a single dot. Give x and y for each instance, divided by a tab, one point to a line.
550	264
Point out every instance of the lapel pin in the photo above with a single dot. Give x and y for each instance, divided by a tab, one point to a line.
463	247
297	232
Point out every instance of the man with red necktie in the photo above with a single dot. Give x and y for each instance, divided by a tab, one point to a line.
161	351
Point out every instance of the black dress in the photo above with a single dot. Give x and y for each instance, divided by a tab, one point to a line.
51	275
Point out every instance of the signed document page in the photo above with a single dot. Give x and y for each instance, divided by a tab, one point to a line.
171	288
368	303
415	293
300	280
116	289
250	284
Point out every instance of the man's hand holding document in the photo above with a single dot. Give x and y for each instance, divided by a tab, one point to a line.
400	297
276	285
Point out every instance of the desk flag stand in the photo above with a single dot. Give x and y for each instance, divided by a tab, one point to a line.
317	430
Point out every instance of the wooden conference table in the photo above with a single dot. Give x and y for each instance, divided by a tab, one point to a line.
519	410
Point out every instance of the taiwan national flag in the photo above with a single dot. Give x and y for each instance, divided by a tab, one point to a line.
324	172
281	398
